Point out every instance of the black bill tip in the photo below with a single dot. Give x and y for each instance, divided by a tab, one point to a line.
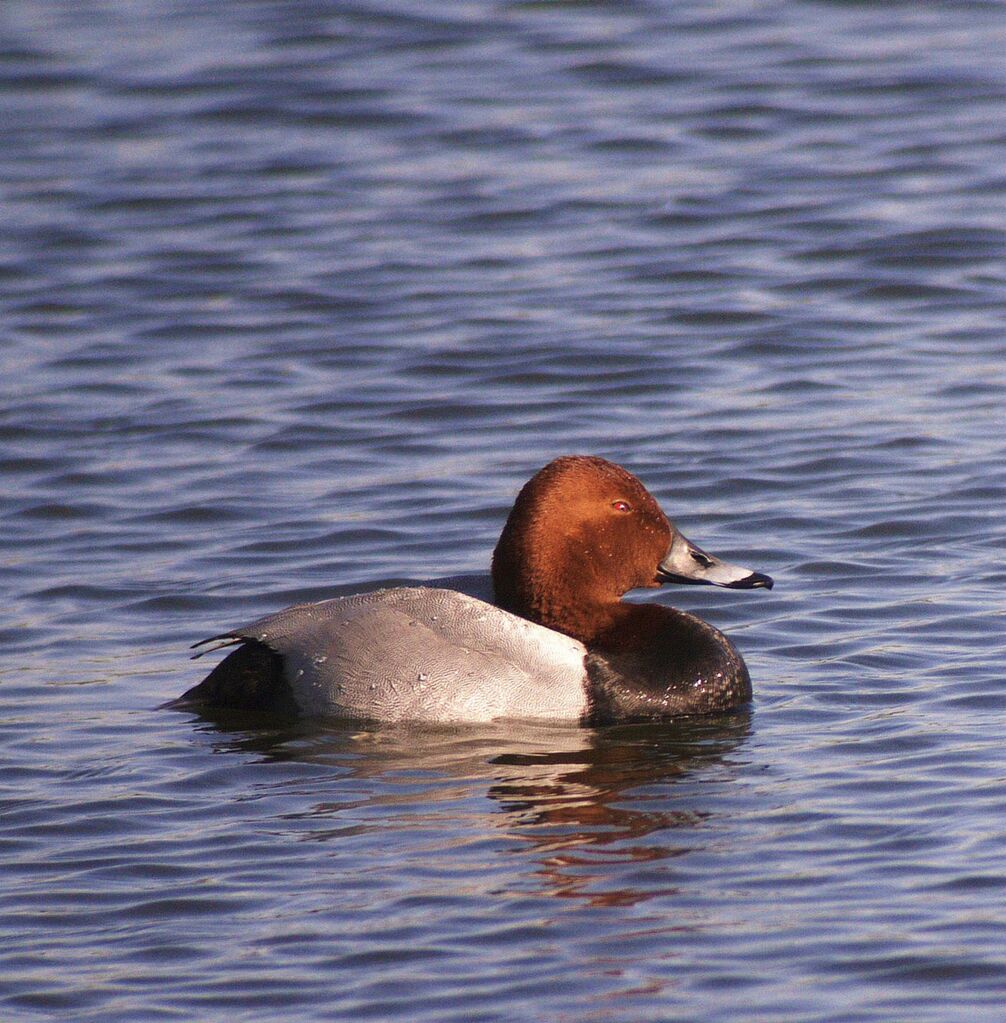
754	581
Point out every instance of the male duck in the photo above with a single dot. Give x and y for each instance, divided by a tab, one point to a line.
558	643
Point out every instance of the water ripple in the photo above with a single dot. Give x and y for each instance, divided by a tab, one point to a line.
294	304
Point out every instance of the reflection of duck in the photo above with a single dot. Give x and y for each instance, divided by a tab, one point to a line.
586	817
585	810
558	643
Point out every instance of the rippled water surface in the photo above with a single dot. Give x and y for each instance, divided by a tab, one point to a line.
294	297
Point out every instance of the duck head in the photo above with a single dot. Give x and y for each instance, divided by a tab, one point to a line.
584	531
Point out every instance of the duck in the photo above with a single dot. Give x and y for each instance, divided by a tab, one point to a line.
557	643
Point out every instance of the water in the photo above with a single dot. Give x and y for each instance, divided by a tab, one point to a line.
296	296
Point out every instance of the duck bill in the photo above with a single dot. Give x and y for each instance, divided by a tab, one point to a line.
686	563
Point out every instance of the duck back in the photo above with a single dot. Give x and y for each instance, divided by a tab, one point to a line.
400	654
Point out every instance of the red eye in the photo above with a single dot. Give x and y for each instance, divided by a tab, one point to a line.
621	506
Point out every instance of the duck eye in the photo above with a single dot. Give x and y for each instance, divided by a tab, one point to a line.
621	506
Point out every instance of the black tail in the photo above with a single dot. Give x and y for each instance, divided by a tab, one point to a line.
248	678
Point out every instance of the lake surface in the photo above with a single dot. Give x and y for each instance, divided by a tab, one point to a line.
295	297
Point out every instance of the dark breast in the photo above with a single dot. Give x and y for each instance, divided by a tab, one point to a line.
684	667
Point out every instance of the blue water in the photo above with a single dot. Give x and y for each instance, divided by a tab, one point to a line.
295	297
